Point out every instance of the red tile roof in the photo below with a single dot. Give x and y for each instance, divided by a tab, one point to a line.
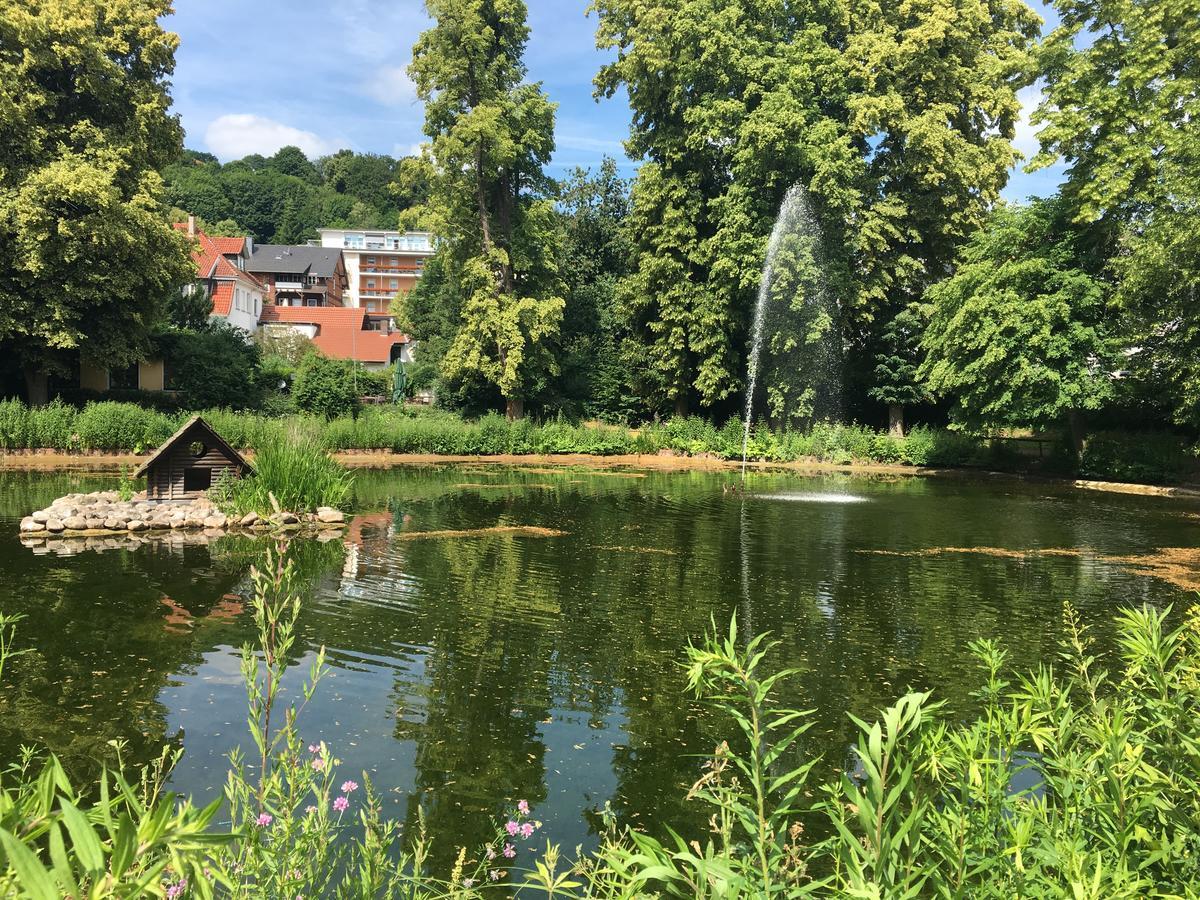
209	257
341	331
222	298
230	244
316	315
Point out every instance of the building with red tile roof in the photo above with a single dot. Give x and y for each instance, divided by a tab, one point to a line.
343	332
236	295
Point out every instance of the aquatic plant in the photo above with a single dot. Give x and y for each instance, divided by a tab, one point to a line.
292	472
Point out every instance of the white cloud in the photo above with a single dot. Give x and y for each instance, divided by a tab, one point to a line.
1025	138
235	135
392	86
401	150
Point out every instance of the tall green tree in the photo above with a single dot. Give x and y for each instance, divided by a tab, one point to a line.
594	207
733	102
897	367
1018	336
1122	108
87	255
491	135
897	122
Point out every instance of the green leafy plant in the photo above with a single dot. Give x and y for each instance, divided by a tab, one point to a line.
292	472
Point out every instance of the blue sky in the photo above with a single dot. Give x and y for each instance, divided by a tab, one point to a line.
252	77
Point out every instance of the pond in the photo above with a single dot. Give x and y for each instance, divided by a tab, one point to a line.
501	633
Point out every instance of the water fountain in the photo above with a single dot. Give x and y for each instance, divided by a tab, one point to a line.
793	288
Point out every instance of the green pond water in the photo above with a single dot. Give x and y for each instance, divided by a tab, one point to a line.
472	670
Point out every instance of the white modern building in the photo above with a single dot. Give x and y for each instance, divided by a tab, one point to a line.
379	264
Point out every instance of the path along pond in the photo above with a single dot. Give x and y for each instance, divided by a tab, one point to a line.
500	633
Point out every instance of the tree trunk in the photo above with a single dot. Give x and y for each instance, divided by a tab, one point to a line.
37	386
485	231
1078	431
896	420
514	409
681	405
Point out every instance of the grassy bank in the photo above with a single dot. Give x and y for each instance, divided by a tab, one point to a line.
1079	781
1156	458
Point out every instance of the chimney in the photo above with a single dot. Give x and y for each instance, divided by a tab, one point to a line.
191	226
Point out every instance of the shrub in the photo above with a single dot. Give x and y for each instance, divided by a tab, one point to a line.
1150	457
14	425
294	469
122	426
326	387
925	446
52	426
213	367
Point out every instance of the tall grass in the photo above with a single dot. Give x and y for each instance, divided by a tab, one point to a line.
1154	458
293	472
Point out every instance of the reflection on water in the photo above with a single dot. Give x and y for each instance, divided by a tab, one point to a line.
528	645
812	497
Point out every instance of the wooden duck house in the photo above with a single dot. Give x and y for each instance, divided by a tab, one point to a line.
191	461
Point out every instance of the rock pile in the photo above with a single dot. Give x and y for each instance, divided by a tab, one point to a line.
104	512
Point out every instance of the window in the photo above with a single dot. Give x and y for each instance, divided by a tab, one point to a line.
395	284
371	283
123	379
370	260
197	479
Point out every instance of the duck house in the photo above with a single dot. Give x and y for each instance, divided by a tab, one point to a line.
191	461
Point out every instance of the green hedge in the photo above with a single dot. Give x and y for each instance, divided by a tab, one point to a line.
1152	458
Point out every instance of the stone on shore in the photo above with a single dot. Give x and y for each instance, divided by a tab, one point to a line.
105	513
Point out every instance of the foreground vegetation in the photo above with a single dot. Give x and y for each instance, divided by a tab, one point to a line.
1078	779
1156	457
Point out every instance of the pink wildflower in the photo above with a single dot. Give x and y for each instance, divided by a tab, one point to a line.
314	748
264	819
509	851
468	882
340	804
490	854
318	764
523	807
527	831
512	828
494	874
177	889
349	787
309	810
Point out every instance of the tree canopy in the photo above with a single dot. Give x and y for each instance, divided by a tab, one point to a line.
87	255
1017	336
491	134
285	198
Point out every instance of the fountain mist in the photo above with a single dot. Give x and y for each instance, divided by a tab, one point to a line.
797	233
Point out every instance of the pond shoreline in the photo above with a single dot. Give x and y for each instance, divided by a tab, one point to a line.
99	461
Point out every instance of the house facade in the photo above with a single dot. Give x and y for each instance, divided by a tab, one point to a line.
237	296
300	275
379	264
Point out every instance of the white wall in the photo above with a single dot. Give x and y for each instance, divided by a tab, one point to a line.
250	301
